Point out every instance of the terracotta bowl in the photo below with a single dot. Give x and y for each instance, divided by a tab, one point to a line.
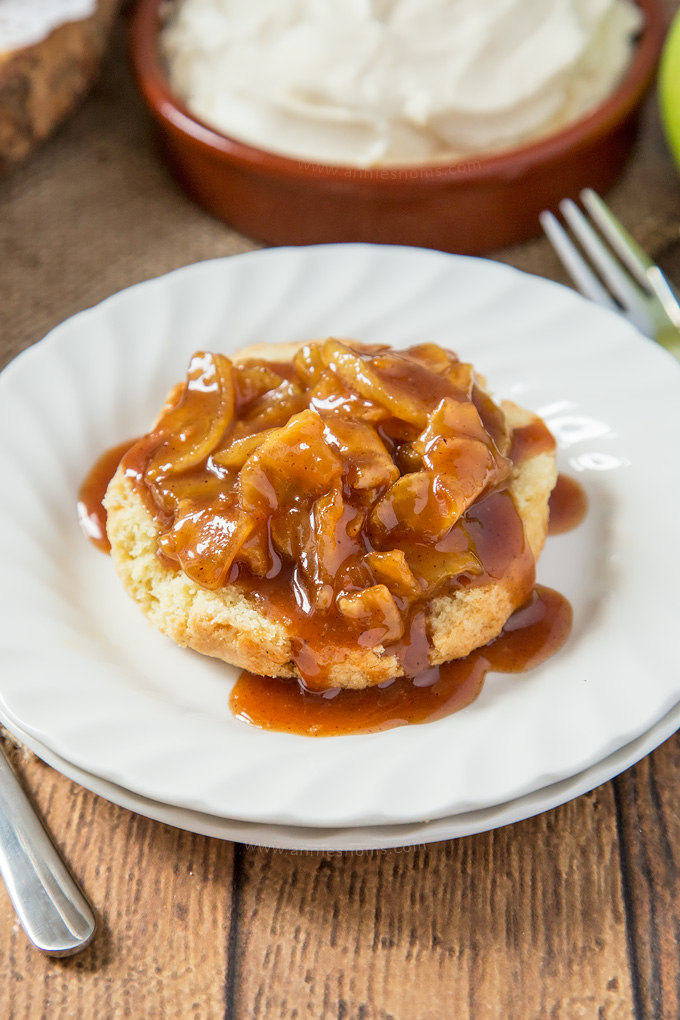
470	206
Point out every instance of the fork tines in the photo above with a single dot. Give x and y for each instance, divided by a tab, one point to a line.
616	272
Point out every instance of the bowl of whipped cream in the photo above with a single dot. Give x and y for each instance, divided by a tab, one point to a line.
441	123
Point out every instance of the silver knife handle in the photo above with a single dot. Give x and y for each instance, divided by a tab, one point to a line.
53	912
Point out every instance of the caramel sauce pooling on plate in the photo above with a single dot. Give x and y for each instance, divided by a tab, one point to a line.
342	491
568	505
91	513
531	635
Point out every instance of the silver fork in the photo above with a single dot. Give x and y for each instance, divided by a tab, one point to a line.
622	277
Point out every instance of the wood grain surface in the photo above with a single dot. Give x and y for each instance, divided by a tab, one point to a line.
573	915
534	916
445	930
648	811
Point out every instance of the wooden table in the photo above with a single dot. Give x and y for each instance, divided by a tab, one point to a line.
573	914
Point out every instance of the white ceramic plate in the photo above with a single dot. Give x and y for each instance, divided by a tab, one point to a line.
377	837
84	674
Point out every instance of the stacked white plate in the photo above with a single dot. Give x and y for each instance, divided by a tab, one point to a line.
119	708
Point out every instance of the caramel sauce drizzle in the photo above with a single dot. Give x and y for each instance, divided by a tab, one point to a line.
91	512
225	412
531	635
568	505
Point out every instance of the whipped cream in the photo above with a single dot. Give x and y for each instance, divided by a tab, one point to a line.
25	22
366	82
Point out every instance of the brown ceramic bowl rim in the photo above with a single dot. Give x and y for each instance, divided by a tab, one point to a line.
471	168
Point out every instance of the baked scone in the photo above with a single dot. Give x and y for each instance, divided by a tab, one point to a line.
332	512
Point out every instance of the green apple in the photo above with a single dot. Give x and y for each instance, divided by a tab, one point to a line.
669	88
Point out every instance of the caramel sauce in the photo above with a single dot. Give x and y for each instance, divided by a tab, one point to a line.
531	635
530	440
492	527
568	505
91	513
343	492
280	480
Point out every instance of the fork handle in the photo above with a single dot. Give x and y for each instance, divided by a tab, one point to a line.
53	912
